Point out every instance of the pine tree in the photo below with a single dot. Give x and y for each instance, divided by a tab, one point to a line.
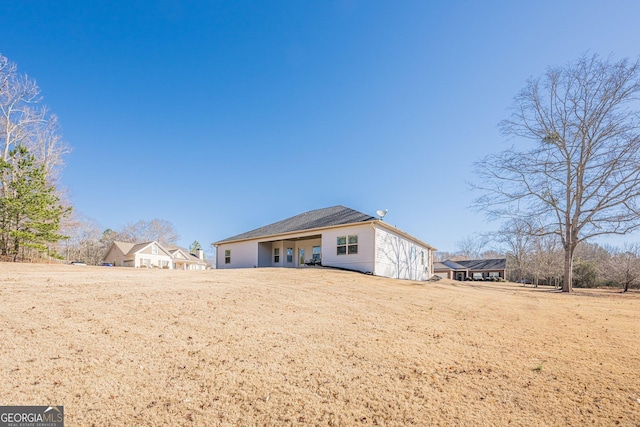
30	211
194	247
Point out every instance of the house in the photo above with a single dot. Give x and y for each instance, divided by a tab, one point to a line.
477	269
336	237
184	260
153	255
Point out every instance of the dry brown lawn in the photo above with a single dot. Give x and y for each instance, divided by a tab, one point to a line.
273	347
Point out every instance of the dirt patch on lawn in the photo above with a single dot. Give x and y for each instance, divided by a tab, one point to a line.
121	346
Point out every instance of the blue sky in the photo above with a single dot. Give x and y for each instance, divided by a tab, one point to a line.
223	116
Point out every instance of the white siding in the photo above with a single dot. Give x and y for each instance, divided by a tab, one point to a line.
362	261
400	258
154	259
243	255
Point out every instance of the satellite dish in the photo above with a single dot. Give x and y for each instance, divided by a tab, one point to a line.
381	213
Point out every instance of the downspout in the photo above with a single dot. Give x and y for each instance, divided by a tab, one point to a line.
431	273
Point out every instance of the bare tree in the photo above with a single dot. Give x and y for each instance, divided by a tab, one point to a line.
492	254
25	121
470	247
444	255
516	238
49	147
545	259
159	230
84	242
579	175
623	266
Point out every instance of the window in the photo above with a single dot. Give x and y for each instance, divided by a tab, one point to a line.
276	255
353	245
154	249
227	256
316	253
347	245
289	254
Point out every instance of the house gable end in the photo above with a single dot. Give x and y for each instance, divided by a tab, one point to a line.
145	248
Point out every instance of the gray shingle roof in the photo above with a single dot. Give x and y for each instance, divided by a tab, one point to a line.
319	218
448	264
473	264
485	264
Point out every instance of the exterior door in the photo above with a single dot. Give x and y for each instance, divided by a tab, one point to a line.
301	256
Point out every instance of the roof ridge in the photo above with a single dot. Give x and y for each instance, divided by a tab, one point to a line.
316	218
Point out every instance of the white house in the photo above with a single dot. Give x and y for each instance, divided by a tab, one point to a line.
183	260
333	237
153	255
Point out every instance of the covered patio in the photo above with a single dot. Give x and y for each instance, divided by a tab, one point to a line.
292	252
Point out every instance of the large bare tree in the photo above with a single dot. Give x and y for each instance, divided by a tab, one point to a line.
26	121
575	168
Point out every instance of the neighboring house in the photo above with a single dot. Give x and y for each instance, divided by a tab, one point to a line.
335	237
152	255
183	260
477	269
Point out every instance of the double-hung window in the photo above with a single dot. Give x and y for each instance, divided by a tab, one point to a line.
347	245
227	256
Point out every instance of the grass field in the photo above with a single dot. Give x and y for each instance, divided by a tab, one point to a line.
131	347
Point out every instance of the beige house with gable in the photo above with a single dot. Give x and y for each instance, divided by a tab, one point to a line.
153	255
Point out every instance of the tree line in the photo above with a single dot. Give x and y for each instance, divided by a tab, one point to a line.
538	260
